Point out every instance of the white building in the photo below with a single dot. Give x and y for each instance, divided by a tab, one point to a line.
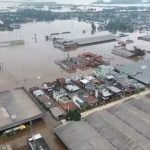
57	94
78	101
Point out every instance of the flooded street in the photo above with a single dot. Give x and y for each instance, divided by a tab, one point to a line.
32	60
45	128
23	65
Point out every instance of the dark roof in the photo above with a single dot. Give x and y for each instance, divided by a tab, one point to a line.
138	70
38	143
114	89
125	126
81	136
123	52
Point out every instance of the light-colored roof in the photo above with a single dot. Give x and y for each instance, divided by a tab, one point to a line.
110	77
16	107
95	39
89	78
105	93
72	87
38	93
35	137
78	99
84	81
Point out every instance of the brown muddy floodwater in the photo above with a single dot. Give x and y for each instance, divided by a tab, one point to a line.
34	60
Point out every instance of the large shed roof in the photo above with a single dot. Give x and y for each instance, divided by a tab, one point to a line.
124	52
138	70
73	135
95	39
125	126
16	107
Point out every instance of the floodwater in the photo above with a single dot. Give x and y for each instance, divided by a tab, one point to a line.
33	60
45	128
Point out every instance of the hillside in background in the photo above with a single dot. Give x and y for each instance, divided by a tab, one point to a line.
122	1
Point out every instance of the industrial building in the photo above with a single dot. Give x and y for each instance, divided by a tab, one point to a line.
124	52
72	44
16	108
95	39
124	126
12	43
137	70
144	38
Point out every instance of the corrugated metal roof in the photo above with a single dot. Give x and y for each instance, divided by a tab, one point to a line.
123	52
114	89
138	70
124	126
74	137
95	39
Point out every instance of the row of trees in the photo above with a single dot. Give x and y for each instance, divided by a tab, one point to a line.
114	26
104	18
73	115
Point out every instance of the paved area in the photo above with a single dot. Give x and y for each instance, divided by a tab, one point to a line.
84	114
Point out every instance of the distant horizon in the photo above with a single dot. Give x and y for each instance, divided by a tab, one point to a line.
121	1
76	2
57	1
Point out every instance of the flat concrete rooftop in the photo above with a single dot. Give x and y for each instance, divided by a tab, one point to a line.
16	108
95	39
125	126
123	52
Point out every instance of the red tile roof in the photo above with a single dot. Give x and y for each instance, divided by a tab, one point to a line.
69	106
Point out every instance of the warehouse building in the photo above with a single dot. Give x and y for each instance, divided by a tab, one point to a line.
95	39
124	126
16	108
137	70
73	44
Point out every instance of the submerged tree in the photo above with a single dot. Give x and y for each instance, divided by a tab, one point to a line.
73	115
